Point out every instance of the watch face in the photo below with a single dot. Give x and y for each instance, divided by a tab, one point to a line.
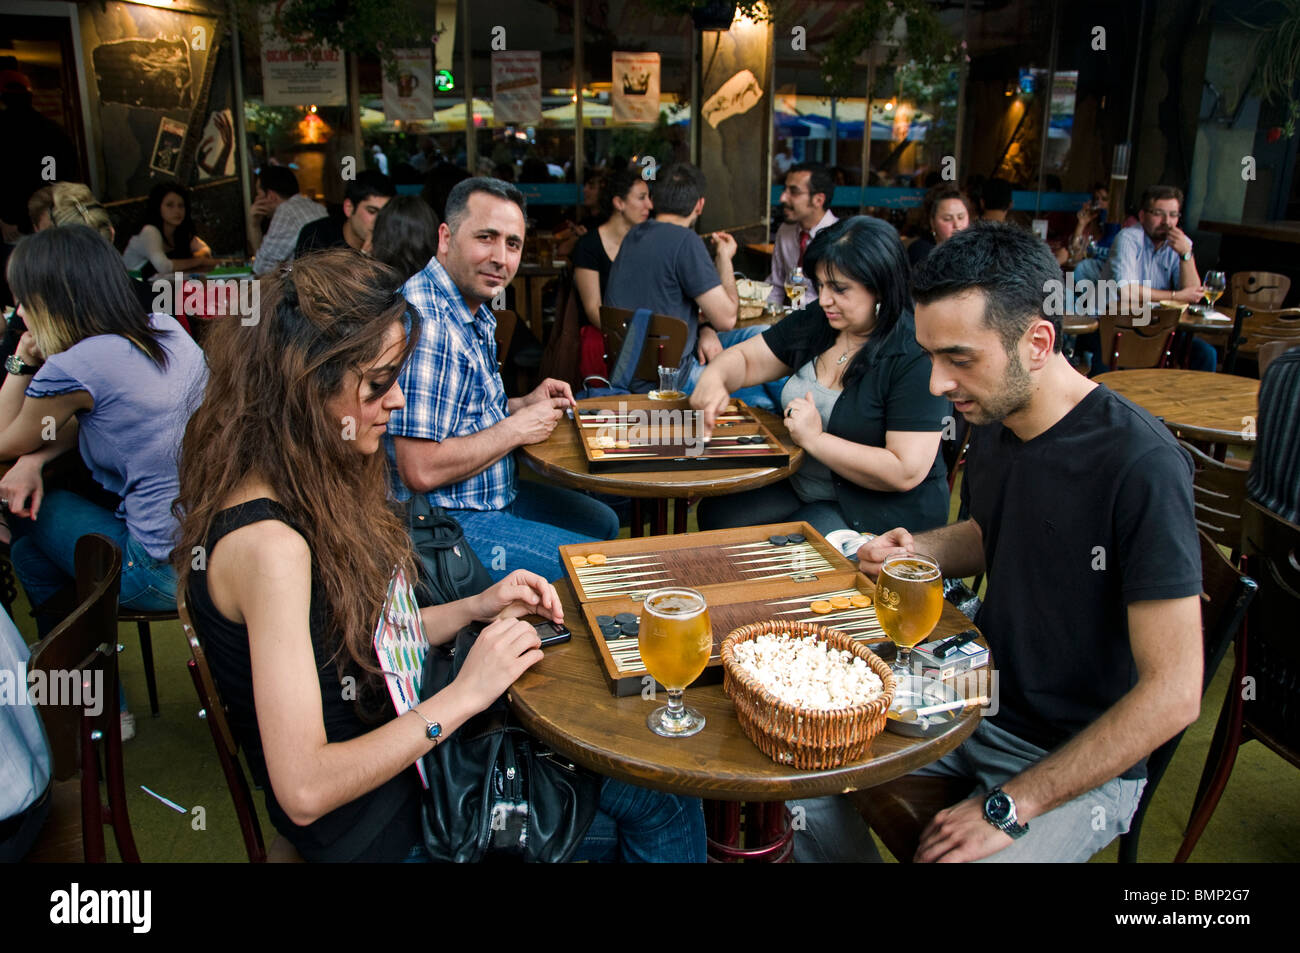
998	806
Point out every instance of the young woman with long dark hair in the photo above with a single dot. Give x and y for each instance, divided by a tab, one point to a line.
284	494
167	242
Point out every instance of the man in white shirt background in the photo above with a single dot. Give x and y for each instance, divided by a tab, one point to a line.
805	203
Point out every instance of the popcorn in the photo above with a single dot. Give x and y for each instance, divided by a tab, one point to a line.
807	673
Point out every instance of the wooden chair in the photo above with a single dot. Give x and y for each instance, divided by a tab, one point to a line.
1225	596
1268	353
1256	327
1263	698
213	711
1131	346
143	619
1259	289
1219	490
900	810
85	643
665	340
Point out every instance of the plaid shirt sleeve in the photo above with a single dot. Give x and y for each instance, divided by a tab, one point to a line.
436	380
282	237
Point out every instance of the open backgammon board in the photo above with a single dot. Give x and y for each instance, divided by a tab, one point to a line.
778	571
630	433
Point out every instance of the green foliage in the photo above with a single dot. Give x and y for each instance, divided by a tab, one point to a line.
927	47
1279	58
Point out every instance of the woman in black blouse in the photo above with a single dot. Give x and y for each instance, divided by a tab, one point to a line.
625	201
858	400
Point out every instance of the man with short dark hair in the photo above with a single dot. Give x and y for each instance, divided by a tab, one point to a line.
1156	254
455	438
806	205
363	199
1081	515
664	265
287	209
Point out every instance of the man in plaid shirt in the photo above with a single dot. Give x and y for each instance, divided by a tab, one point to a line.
454	439
289	211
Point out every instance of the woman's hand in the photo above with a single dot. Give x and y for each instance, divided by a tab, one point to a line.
28	351
22	483
503	651
803	420
520	593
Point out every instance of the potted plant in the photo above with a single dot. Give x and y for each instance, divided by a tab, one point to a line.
1279	60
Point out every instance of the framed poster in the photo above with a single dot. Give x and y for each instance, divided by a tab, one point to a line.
517	87
167	146
636	87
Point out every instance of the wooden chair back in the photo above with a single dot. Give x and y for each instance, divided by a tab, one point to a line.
1259	289
507	321
1258	327
665	341
1271	547
213	711
1271	351
562	354
83	648
1220	497
1127	345
1226	595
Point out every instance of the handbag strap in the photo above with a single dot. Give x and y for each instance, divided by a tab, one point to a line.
630	354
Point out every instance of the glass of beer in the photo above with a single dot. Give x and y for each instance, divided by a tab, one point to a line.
1215	284
909	601
676	640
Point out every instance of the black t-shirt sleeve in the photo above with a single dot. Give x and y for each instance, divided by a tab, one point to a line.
785	337
1155	528
590	252
909	405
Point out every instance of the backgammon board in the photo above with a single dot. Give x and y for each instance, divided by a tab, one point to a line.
777	571
633	433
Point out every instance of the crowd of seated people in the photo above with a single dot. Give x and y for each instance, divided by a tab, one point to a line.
370	381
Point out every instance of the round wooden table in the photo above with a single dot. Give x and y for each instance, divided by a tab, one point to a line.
560	458
1215	408
564	701
1078	324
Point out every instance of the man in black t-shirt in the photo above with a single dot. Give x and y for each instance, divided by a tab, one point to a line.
1082	517
364	198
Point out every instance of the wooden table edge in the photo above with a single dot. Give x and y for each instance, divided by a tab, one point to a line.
702	784
610	483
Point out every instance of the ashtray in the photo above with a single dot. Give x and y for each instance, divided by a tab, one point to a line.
914	691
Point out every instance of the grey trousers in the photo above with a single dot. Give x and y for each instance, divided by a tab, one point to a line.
830	830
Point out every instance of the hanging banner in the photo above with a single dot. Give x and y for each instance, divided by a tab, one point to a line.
299	78
517	87
411	96
636	87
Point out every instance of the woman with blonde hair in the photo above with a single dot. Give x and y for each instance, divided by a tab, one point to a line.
283	490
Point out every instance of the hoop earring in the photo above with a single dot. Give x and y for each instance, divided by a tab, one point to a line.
877	309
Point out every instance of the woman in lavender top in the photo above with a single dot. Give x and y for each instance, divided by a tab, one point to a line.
93	370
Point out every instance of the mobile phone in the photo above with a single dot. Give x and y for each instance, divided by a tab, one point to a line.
552	633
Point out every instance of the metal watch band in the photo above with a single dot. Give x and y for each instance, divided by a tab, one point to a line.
1008	826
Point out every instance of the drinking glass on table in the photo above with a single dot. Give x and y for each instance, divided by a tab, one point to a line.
909	601
1215	284
796	284
675	642
670	379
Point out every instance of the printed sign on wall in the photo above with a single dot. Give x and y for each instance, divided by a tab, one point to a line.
411	96
636	87
517	87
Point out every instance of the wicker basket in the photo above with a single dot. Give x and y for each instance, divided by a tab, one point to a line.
750	310
800	737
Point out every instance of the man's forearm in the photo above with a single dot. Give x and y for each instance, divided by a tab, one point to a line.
253	231
959	548
727	272
427	465
1126	733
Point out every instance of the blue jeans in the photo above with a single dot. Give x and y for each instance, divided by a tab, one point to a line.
44	556
635	825
528	533
756	396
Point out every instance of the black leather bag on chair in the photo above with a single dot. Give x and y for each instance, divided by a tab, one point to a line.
495	792
449	568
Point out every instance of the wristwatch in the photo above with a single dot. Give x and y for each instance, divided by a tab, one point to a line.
433	731
1000	811
14	365
1187	256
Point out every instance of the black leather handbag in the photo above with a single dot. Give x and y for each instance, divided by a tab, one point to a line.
449	568
495	792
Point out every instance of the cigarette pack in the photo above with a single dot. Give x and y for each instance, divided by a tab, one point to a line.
961	659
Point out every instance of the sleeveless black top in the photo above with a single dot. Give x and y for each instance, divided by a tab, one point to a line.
381	825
